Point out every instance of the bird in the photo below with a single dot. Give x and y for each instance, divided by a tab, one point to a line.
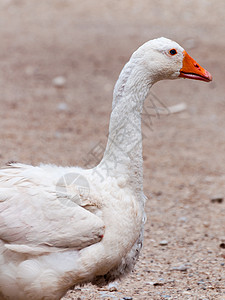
67	226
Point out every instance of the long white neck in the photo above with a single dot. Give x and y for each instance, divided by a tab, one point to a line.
123	154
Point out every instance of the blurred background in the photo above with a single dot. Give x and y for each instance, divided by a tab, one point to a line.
59	61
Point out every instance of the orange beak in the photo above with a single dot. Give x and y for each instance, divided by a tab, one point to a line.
193	70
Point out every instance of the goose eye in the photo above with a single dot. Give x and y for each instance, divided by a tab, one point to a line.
173	51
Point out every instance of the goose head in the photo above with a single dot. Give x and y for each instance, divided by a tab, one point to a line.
166	59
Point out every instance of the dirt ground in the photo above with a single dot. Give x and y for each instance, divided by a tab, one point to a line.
88	42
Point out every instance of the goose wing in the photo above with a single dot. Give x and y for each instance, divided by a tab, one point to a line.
35	218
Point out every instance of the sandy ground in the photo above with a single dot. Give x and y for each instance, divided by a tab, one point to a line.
88	42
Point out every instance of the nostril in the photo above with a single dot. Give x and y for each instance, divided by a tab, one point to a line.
197	66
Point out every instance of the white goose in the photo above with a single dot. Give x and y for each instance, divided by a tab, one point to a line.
54	236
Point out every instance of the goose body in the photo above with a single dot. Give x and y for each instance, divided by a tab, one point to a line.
65	226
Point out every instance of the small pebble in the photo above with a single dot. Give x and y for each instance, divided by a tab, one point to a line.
155	283
62	106
163	243
127	298
206	224
182	268
222	245
159	193
113	287
186	293
217	199
107	296
58	134
59	81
